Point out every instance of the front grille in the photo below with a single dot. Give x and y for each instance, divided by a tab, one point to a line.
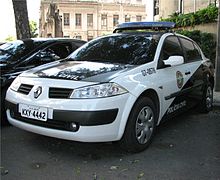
59	93
25	88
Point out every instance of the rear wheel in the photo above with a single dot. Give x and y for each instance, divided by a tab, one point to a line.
140	126
207	99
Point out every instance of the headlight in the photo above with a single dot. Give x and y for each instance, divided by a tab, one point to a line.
15	84
98	91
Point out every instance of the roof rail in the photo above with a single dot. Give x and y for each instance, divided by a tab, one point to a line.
144	25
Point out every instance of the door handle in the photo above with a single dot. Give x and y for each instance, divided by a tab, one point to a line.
187	73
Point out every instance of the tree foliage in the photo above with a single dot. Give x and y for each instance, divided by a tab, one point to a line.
10	38
33	29
207	15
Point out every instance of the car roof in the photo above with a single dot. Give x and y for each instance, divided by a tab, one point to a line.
152	26
36	43
53	39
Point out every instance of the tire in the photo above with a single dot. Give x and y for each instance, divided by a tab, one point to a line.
4	120
207	99
140	127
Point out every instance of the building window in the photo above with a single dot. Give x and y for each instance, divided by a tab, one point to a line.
79	37
138	18
90	20
115	20
127	18
78	19
66	36
66	19
156	7
104	21
90	38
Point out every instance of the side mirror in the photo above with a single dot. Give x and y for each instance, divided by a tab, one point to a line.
174	61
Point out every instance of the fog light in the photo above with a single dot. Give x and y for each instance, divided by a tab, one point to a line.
74	127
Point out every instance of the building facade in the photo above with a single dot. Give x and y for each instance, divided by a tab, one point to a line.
158	9
87	19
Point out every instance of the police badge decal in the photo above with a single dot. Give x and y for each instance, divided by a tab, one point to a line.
179	79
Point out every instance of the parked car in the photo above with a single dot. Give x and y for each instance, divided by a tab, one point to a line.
21	55
118	87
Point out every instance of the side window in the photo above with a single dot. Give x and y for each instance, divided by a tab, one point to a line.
171	47
61	50
198	51
55	52
75	45
49	54
192	52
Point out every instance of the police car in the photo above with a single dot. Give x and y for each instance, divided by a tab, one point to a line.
119	87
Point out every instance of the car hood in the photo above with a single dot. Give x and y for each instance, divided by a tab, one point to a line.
79	71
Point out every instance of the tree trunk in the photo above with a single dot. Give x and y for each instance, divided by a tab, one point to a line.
21	19
217	60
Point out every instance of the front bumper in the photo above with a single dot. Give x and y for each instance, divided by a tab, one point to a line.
62	119
99	120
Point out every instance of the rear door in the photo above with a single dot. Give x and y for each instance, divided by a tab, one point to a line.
194	73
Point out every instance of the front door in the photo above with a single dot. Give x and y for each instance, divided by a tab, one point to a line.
173	79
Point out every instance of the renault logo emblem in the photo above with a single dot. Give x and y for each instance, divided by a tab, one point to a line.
37	92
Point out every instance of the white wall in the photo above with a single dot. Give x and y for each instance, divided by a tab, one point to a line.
150	10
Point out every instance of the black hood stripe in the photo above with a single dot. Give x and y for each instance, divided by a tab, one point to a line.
84	71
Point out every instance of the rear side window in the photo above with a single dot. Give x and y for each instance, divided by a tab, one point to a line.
192	52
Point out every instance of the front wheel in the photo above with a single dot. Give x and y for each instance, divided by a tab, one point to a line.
3	117
140	126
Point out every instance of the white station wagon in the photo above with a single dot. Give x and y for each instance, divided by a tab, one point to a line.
114	88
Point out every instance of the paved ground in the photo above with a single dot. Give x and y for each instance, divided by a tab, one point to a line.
187	147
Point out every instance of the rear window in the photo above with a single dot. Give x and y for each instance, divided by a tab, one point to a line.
120	48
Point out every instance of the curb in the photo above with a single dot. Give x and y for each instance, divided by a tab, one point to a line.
216	99
216	105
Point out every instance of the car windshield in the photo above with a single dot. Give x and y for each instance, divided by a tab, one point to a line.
12	51
119	48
